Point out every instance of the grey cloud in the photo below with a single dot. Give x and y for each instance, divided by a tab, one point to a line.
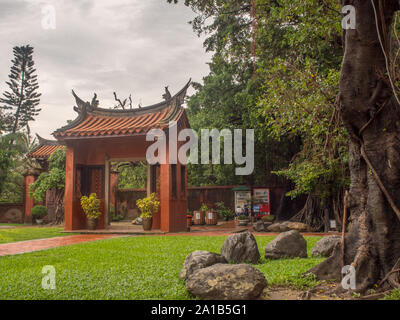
103	46
11	8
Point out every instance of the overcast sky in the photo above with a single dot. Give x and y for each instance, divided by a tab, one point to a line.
127	46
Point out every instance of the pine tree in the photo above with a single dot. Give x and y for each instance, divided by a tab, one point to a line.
21	102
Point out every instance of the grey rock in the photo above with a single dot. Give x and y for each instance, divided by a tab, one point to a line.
275	227
279	226
241	247
284	226
259	226
288	244
325	246
227	282
301	227
138	220
199	259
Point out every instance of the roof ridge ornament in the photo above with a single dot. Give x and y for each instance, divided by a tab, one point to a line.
83	107
167	95
42	141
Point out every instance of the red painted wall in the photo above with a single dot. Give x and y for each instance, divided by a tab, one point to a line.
12	213
94	152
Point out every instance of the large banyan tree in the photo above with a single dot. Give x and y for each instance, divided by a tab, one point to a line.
370	108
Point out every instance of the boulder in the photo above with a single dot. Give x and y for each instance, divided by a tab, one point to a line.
325	246
288	244
227	282
138	220
301	227
284	226
259	226
275	227
199	259
279	226
241	247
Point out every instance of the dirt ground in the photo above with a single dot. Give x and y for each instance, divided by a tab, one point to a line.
322	292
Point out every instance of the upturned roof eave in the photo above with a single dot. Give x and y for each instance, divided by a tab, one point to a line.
84	108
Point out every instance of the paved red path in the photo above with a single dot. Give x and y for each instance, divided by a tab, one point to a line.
41	244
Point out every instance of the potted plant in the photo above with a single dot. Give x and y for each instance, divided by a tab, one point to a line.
224	212
204	208
39	212
148	207
91	208
243	220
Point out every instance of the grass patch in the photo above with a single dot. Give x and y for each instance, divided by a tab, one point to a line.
128	268
288	272
22	234
394	295
12	224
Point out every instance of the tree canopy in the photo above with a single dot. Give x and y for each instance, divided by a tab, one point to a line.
286	90
20	103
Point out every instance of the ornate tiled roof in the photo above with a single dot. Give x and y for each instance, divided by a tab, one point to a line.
98	122
44	149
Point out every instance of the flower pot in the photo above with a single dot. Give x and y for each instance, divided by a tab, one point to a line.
91	223
211	218
39	221
243	222
199	217
147	223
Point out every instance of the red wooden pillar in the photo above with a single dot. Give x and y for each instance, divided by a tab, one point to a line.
71	221
173	207
29	178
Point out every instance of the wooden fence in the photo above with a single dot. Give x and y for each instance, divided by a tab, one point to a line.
126	198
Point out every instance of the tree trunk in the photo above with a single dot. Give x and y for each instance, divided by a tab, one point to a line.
372	244
316	212
326	220
59	207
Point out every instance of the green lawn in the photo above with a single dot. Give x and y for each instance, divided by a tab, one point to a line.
127	268
21	234
12	224
394	295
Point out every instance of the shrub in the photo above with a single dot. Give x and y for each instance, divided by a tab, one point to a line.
204	208
148	206
242	217
91	206
267	218
117	217
114	216
123	210
223	211
39	212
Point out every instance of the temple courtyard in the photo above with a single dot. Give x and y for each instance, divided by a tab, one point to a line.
118	266
128	267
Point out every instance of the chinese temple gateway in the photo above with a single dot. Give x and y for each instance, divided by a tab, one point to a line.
100	136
